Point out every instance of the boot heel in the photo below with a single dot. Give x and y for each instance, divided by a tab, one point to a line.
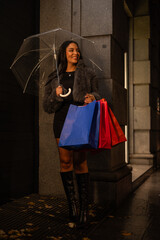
67	179
83	188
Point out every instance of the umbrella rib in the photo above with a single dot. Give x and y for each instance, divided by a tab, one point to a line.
40	34
59	29
29	52
95	64
34	69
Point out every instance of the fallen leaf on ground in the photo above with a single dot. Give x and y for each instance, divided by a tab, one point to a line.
13	236
41	200
86	238
94	222
24	210
31	203
29	235
71	224
31	229
51	215
29	224
126	233
110	216
92	213
54	238
3	235
13	231
43	197
2	232
47	206
38	212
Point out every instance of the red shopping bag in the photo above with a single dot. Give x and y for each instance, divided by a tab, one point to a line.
110	132
104	128
117	134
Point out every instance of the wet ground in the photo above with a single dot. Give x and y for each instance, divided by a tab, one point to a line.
39	217
138	218
43	217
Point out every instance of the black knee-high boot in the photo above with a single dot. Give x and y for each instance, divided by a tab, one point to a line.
83	188
67	179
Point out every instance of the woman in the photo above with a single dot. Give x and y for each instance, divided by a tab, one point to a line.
75	75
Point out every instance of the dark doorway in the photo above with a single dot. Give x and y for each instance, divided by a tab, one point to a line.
19	112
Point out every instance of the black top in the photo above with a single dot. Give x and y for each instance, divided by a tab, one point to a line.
67	81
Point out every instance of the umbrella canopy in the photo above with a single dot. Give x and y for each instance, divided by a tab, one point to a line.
37	57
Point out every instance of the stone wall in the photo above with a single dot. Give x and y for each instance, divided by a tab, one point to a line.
51	16
144	85
155	81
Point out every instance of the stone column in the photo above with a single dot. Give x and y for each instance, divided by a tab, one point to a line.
142	108
110	176
53	14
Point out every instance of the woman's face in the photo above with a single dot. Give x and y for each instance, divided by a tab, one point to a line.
72	53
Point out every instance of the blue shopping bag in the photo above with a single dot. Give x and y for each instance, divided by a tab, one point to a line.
81	127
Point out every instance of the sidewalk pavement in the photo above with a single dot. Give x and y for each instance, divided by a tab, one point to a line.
137	219
36	217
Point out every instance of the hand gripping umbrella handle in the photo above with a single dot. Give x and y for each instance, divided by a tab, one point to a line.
67	94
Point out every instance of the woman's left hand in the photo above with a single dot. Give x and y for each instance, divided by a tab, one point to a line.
89	98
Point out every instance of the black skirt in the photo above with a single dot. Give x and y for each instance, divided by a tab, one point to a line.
59	119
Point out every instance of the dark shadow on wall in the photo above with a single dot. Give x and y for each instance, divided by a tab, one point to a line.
18	111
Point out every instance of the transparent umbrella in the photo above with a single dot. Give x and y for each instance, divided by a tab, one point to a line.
37	58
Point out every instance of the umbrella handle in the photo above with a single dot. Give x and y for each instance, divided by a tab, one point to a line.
67	94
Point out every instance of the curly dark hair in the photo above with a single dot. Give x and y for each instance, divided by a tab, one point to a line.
61	58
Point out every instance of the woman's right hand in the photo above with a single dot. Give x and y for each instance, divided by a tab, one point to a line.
59	91
89	98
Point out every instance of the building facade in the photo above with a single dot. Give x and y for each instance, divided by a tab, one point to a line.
127	36
124	33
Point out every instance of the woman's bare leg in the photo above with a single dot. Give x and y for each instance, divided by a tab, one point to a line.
80	162
66	159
